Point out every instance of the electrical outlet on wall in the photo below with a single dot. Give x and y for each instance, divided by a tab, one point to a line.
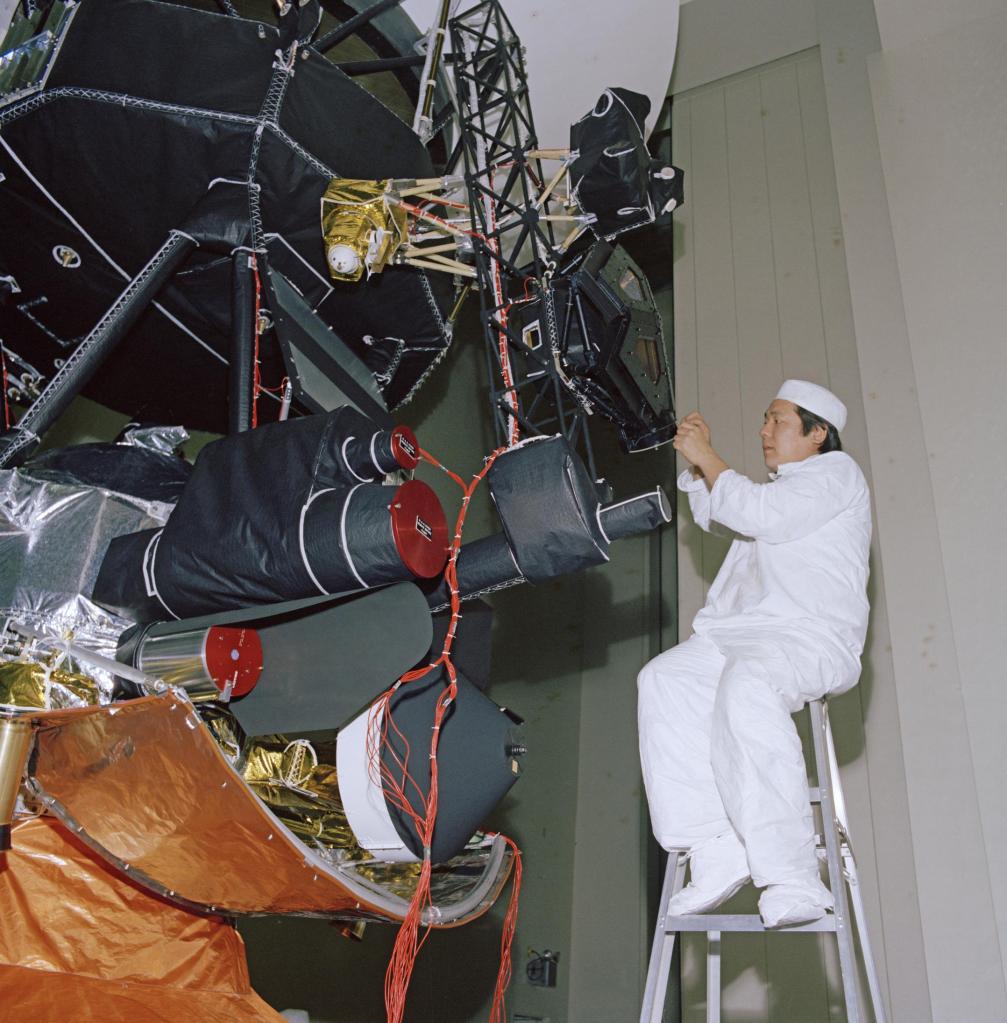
541	967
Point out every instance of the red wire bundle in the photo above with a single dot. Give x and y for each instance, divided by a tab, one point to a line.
498	1011
427	215
6	404
503	344
256	374
395	784
257	385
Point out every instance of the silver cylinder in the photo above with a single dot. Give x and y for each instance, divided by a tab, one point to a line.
210	664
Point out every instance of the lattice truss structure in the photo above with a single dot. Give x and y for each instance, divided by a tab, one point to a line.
515	226
569	320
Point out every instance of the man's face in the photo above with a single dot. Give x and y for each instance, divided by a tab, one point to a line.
782	440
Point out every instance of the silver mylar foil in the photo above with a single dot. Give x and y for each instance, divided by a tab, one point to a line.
53	537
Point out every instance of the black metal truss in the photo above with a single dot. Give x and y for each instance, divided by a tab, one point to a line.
516	252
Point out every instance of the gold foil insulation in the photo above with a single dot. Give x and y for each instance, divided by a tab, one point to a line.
40	685
449	882
224	728
296	779
361	228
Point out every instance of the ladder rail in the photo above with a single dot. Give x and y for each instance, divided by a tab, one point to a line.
860	917
844	883
713	977
663	947
837	885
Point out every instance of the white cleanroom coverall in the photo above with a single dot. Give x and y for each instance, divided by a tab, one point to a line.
784	623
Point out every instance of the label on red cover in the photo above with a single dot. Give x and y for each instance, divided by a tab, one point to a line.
419	529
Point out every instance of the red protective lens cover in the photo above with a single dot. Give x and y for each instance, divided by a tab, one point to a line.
420	529
233	654
405	447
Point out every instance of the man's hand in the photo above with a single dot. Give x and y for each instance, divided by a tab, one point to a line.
692	439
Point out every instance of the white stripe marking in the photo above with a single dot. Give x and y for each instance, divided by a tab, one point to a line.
342	536
346	461
147	567
300	539
66	213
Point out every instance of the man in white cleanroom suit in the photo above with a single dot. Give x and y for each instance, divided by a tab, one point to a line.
784	623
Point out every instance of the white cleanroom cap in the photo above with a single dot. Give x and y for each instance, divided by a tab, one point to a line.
815	399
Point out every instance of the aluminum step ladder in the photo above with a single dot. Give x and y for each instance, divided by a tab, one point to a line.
843	882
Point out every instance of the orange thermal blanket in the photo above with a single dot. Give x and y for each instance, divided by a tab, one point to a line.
82	942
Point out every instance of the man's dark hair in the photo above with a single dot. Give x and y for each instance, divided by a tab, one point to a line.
809	421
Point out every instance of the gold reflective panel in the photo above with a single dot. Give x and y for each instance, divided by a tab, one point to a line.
450	882
224	728
296	779
35	684
361	228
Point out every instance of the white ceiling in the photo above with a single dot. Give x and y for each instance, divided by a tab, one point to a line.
574	51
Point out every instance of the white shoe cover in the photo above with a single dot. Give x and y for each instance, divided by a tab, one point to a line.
795	902
719	869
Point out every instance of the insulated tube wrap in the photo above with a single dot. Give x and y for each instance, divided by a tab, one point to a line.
286	511
370	455
370	534
483	565
635	515
490	564
553	523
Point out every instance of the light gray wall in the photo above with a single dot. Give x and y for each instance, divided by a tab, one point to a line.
941	687
940	103
6	11
915	96
762	295
717	38
909	21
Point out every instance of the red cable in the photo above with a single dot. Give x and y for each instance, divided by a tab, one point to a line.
503	349
427	215
6	404
498	1011
256	377
424	203
407	942
276	390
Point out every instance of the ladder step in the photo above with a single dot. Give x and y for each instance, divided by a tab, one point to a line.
728	922
843	881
